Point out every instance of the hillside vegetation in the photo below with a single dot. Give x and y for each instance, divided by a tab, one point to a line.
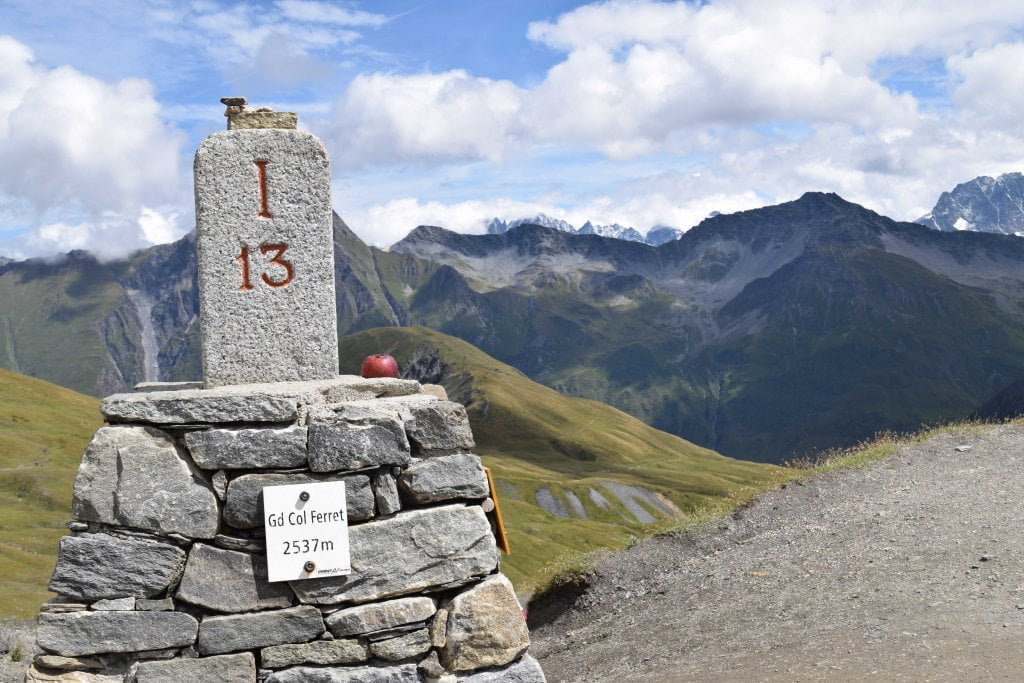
535	440
43	431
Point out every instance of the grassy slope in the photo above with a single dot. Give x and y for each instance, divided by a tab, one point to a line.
48	317
43	431
524	432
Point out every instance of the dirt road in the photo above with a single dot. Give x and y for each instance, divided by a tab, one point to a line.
910	569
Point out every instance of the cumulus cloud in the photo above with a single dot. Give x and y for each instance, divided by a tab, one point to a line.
438	117
637	75
384	224
77	146
676	203
767	100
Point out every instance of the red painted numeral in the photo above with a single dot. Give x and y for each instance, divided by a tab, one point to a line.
261	170
277	259
243	259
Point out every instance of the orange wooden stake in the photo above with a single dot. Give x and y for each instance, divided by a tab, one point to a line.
499	522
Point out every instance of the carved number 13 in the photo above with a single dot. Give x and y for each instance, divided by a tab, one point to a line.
278	248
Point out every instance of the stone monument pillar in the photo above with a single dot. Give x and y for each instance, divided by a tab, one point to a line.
165	574
266	255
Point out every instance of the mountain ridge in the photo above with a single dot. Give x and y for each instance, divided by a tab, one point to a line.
720	336
984	204
699	298
655	235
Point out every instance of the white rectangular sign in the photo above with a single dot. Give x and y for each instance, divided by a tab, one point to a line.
307	530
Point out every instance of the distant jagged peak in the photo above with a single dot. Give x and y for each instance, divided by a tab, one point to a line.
544	220
662	234
615	230
656	236
984	204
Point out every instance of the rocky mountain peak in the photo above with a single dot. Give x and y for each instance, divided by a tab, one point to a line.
984	204
656	236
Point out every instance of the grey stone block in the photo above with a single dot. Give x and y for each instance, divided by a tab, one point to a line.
439	628
385	492
113	605
229	581
58	604
67	663
87	633
34	675
161	605
446	477
369	440
214	449
407	553
98	566
244	545
319	652
485	627
439	426
166	386
380	616
237	668
96	481
387	387
277	402
254	118
405	646
244	506
160	489
402	673
198	406
265	249
219	481
233	632
431	668
526	670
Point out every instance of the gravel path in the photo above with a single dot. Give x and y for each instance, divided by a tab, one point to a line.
910	569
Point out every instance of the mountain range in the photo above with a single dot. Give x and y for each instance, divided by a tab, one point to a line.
656	236
984	204
762	334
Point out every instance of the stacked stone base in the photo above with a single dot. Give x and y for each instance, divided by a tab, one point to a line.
164	577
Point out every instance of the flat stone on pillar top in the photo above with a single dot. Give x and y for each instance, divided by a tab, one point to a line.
266	257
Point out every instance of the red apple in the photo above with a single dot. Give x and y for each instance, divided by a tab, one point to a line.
379	365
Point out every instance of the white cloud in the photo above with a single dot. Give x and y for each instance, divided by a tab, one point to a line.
384	224
112	235
638	76
767	99
76	146
384	118
287	43
990	83
322	12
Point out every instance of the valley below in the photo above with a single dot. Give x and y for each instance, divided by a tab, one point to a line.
906	569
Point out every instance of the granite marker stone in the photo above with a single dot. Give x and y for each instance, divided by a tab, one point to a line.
266	257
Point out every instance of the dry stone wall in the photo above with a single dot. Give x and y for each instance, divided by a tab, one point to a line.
164	577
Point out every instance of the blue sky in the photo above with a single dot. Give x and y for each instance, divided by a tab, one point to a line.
451	112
